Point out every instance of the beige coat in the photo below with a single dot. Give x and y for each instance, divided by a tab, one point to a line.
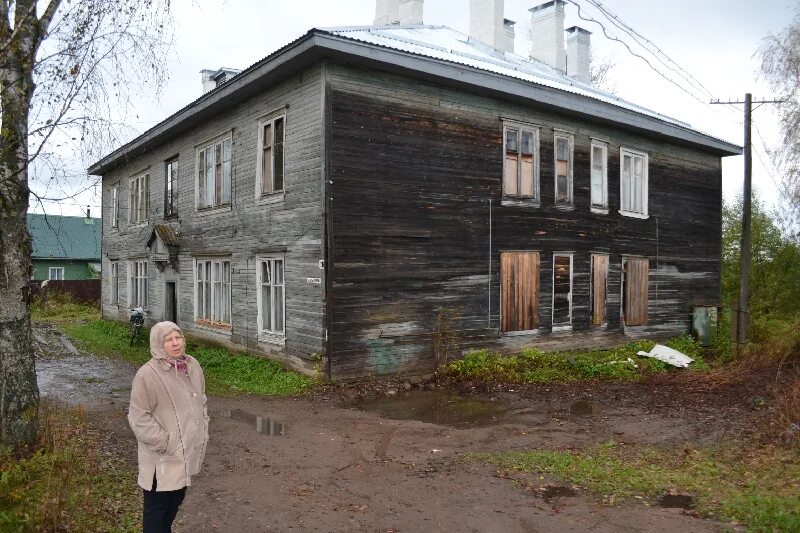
169	417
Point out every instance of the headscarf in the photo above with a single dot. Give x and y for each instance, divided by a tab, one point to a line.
157	335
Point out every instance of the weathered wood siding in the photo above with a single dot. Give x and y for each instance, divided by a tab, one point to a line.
246	230
415	167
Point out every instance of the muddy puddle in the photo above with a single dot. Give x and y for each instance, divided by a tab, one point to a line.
263	425
436	407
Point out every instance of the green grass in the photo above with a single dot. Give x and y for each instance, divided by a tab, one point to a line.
226	372
67	483
535	366
758	488
61	308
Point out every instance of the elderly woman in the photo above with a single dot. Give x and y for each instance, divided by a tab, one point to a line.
168	415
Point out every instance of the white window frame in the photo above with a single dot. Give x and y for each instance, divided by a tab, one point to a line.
601	207
138	283
57	270
645	180
260	156
563	327
571	142
266	334
209	147
114	289
213	275
534	130
114	211
139	199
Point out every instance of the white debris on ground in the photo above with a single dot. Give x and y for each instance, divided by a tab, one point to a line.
668	355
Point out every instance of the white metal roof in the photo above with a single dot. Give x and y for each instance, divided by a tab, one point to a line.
447	44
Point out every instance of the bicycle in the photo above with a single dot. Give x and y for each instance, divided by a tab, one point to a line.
137	323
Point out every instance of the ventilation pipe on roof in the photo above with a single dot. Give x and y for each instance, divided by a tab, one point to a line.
579	53
486	23
214	78
411	11
208	82
387	12
547	34
508	32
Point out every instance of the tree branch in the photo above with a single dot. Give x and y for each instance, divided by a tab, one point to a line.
47	17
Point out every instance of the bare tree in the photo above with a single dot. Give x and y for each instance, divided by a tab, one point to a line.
65	67
600	74
780	66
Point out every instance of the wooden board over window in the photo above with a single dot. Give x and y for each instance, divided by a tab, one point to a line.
637	273
519	278
599	288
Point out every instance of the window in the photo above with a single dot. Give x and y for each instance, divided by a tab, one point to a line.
271	296
562	291
598	288
214	174
521	162
140	199
519	291
137	284
55	273
171	188
114	282
269	162
635	278
599	175
213	292
563	157
114	213
633	183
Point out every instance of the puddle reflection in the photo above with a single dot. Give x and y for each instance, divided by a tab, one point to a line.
442	408
265	426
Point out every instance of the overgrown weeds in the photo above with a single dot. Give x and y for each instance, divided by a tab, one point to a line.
535	366
68	482
226	372
62	307
756	487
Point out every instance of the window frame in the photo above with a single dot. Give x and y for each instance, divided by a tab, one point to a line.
603	206
270	120
138	292
210	146
567	326
50	271
171	187
534	129
623	151
271	335
113	295
114	215
215	321
570	203
139	203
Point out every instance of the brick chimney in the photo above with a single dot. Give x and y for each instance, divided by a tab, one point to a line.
387	12
411	11
579	53
547	34
486	23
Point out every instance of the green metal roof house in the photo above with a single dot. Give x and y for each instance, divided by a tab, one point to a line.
65	248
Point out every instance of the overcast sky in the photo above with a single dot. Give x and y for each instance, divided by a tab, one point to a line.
714	40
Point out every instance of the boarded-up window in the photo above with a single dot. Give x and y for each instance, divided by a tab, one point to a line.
636	273
519	295
562	290
520	167
563	157
599	288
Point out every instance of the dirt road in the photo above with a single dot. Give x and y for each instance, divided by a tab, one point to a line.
332	462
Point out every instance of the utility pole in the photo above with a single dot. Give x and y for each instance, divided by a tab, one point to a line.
742	314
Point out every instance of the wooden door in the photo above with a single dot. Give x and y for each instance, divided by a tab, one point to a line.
170	302
599	288
519	294
636	278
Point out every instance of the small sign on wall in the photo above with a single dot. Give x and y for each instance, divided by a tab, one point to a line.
315	281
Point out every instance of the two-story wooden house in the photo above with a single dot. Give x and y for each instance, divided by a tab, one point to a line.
337	197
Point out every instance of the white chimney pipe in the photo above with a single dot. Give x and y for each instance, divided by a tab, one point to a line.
208	83
486	22
508	33
547	34
579	53
411	11
387	12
